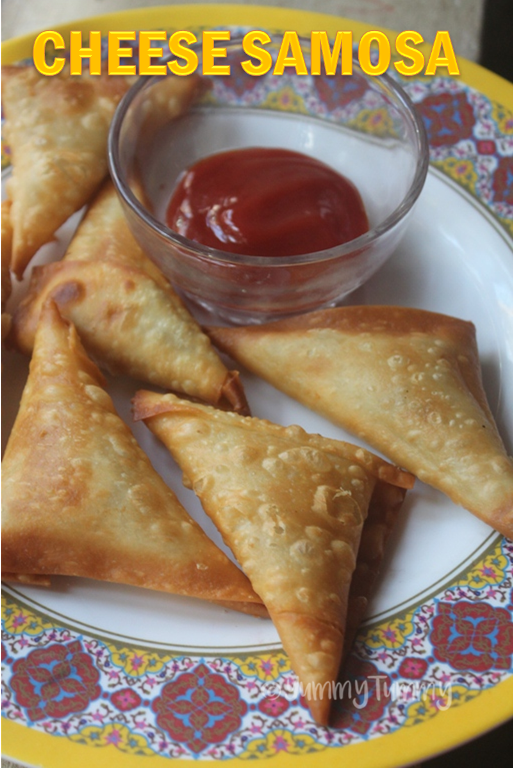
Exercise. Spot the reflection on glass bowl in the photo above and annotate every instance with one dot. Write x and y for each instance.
(364, 127)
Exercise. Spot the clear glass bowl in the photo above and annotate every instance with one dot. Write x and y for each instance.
(363, 126)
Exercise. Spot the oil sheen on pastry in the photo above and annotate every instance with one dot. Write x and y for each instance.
(6, 264)
(80, 497)
(57, 129)
(291, 506)
(128, 315)
(406, 381)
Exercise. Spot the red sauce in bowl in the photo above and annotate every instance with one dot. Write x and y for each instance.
(266, 202)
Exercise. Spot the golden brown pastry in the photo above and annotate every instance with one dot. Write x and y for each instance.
(80, 497)
(6, 264)
(291, 506)
(57, 129)
(405, 380)
(166, 100)
(128, 316)
(384, 508)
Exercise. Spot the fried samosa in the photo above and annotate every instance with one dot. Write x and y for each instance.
(405, 380)
(81, 498)
(57, 129)
(384, 508)
(128, 316)
(6, 264)
(291, 507)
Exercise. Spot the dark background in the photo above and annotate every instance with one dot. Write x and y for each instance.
(497, 42)
(493, 750)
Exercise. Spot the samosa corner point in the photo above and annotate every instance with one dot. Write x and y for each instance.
(375, 53)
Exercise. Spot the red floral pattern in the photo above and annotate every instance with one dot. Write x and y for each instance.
(366, 694)
(339, 91)
(473, 636)
(503, 181)
(412, 668)
(126, 699)
(448, 118)
(486, 147)
(55, 681)
(274, 707)
(199, 708)
(239, 81)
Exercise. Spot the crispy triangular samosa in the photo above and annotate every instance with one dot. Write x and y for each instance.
(384, 508)
(80, 497)
(291, 507)
(128, 316)
(166, 100)
(6, 264)
(57, 129)
(405, 380)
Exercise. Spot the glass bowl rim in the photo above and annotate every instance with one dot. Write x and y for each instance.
(225, 257)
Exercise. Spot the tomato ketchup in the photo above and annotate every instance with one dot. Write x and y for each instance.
(266, 202)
